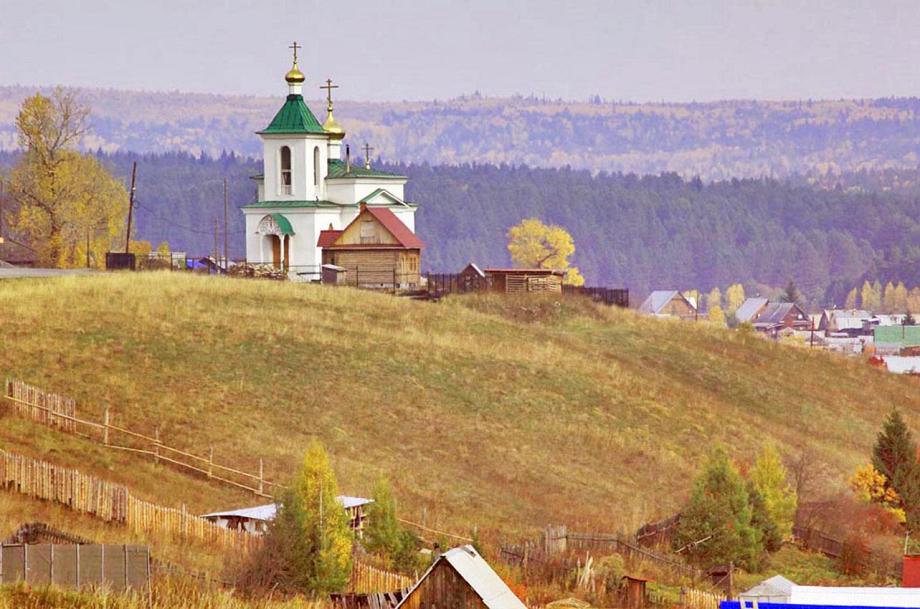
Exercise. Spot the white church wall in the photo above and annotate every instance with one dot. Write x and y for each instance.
(350, 191)
(302, 179)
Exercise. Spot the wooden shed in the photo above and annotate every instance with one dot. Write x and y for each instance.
(460, 579)
(513, 281)
(376, 250)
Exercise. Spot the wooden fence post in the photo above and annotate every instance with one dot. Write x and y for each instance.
(261, 477)
(156, 444)
(105, 426)
(210, 462)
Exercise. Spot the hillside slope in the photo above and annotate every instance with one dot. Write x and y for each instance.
(483, 411)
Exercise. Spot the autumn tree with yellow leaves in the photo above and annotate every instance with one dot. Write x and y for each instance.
(533, 244)
(68, 207)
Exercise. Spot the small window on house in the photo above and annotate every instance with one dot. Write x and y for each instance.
(316, 166)
(368, 234)
(286, 178)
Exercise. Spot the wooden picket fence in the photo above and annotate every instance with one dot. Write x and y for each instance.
(366, 579)
(46, 408)
(112, 502)
(60, 412)
(692, 598)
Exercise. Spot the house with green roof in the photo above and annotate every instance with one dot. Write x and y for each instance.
(308, 186)
(890, 340)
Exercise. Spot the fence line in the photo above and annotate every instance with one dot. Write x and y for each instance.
(111, 502)
(60, 412)
(692, 598)
(366, 578)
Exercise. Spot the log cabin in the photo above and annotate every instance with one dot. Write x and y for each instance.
(376, 250)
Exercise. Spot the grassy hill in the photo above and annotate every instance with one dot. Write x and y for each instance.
(502, 413)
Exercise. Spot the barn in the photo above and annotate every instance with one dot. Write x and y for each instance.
(255, 519)
(525, 280)
(376, 250)
(460, 579)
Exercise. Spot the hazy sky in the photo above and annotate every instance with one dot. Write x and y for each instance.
(402, 49)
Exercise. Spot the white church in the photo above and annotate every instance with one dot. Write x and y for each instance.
(315, 208)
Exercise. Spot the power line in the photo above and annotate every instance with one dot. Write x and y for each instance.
(170, 222)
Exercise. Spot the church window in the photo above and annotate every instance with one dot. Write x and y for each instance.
(316, 166)
(286, 180)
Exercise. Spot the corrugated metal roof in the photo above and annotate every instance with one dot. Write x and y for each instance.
(476, 572)
(778, 589)
(657, 300)
(267, 512)
(749, 308)
(328, 237)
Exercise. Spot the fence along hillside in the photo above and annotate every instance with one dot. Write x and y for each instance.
(112, 502)
(60, 413)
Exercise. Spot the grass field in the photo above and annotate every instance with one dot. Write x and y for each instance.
(499, 413)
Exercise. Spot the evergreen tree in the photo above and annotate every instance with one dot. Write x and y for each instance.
(385, 536)
(768, 477)
(791, 293)
(895, 453)
(715, 525)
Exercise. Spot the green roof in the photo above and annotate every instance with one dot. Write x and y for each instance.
(294, 117)
(284, 224)
(906, 336)
(291, 204)
(337, 170)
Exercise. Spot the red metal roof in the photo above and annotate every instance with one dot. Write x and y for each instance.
(404, 236)
(328, 237)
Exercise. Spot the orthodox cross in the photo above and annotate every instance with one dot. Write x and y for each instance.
(295, 46)
(329, 87)
(367, 155)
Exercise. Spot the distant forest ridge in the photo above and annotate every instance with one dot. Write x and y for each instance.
(644, 233)
(716, 141)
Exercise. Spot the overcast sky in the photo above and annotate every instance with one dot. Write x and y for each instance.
(416, 49)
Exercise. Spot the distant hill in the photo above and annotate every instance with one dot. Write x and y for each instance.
(503, 414)
(718, 140)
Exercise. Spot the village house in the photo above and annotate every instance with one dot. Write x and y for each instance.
(255, 519)
(307, 187)
(375, 250)
(460, 579)
(778, 316)
(669, 303)
(846, 322)
(897, 340)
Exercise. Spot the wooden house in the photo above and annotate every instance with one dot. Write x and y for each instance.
(777, 316)
(376, 250)
(669, 303)
(460, 579)
(255, 519)
(515, 281)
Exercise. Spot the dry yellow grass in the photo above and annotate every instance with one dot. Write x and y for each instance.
(506, 414)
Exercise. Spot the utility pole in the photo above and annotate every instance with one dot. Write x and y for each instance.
(130, 207)
(226, 223)
(1, 212)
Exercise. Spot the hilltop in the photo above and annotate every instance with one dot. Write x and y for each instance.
(484, 411)
(716, 140)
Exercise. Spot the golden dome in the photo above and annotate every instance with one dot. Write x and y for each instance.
(294, 75)
(332, 127)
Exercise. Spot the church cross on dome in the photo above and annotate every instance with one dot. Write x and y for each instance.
(329, 87)
(295, 46)
(367, 155)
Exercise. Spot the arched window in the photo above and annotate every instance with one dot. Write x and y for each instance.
(316, 166)
(286, 183)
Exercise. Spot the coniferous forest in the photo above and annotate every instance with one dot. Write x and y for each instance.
(648, 232)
